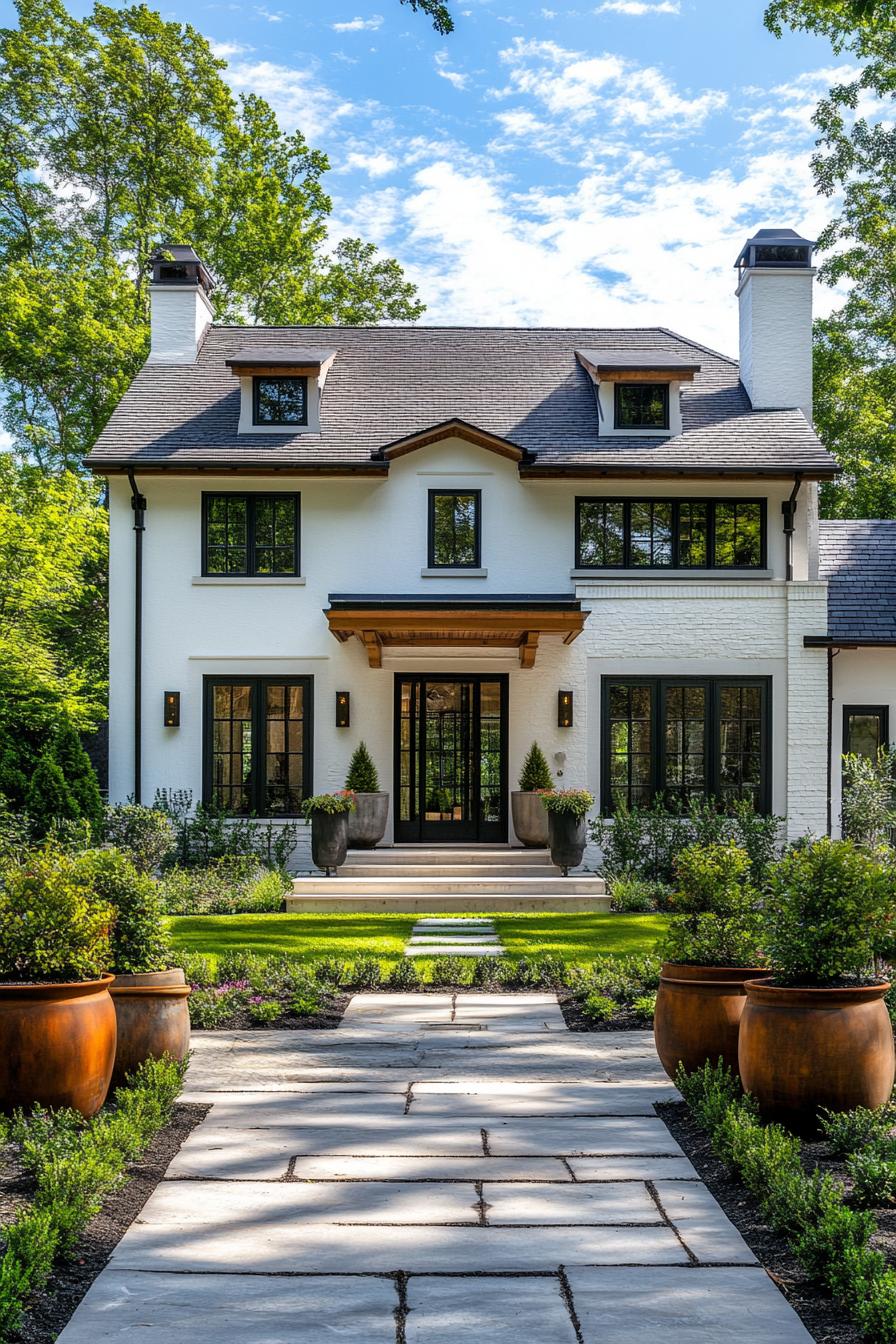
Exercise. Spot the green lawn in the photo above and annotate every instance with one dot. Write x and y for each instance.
(573, 937)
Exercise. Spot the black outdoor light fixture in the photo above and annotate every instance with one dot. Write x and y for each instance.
(343, 709)
(564, 709)
(172, 709)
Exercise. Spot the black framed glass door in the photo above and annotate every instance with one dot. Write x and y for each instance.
(451, 759)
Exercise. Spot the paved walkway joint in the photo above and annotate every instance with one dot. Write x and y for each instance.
(440, 1168)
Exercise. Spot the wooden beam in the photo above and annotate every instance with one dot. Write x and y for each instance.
(529, 648)
(646, 375)
(275, 370)
(372, 643)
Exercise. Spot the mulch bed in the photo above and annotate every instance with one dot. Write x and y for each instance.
(822, 1317)
(622, 1020)
(52, 1309)
(330, 1016)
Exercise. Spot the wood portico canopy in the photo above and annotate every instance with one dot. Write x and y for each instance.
(505, 621)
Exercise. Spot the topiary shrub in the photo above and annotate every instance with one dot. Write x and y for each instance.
(54, 928)
(536, 773)
(362, 776)
(139, 941)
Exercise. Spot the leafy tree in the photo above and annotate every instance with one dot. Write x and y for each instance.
(362, 776)
(830, 17)
(440, 13)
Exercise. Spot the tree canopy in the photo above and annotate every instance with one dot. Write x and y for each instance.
(118, 132)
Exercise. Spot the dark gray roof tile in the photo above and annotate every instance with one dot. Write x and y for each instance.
(858, 559)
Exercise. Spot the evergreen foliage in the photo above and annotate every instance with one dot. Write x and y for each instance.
(536, 773)
(48, 798)
(362, 776)
(79, 775)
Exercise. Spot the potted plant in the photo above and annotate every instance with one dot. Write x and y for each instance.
(567, 810)
(711, 949)
(530, 820)
(817, 1032)
(367, 823)
(57, 1020)
(150, 995)
(328, 814)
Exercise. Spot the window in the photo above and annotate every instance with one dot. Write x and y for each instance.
(250, 535)
(670, 533)
(641, 405)
(685, 737)
(257, 755)
(454, 528)
(866, 728)
(280, 401)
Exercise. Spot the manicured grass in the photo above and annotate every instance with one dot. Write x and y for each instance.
(573, 937)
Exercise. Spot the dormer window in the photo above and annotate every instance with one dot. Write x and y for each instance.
(641, 406)
(280, 401)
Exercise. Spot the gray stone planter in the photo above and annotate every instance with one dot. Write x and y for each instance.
(567, 836)
(530, 820)
(367, 824)
(329, 839)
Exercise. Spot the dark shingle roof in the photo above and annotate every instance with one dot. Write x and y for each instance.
(858, 558)
(387, 383)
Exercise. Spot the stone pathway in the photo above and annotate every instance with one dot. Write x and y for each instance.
(434, 937)
(442, 1168)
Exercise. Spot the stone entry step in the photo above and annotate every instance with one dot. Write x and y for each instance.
(453, 886)
(456, 854)
(340, 901)
(471, 869)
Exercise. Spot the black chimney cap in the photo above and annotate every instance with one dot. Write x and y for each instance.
(776, 247)
(178, 264)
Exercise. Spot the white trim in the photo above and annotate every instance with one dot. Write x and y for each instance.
(454, 573)
(258, 658)
(248, 581)
(651, 575)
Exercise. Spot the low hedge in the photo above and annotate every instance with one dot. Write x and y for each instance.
(74, 1163)
(830, 1238)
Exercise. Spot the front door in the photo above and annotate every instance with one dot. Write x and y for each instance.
(451, 759)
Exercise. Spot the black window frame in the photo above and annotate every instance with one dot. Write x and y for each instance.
(714, 685)
(259, 738)
(640, 429)
(252, 497)
(881, 712)
(260, 378)
(432, 496)
(711, 502)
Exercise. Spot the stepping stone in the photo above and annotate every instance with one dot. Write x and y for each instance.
(452, 950)
(446, 937)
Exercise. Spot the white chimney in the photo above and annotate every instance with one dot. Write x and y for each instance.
(180, 309)
(775, 296)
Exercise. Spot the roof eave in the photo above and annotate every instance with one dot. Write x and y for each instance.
(536, 469)
(119, 468)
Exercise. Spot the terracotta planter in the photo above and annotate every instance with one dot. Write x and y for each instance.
(566, 835)
(57, 1045)
(329, 839)
(367, 824)
(801, 1049)
(530, 819)
(153, 1019)
(698, 1011)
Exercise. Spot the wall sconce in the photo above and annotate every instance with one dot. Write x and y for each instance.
(343, 709)
(564, 709)
(172, 709)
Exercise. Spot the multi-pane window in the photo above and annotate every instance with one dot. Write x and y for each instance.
(257, 744)
(670, 533)
(251, 535)
(454, 529)
(641, 405)
(280, 401)
(679, 738)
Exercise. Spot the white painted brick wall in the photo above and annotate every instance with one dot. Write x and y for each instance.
(776, 338)
(179, 315)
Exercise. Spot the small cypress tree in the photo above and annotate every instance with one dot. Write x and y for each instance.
(13, 780)
(536, 773)
(362, 776)
(79, 774)
(48, 798)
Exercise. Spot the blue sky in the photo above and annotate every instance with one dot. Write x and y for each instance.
(544, 164)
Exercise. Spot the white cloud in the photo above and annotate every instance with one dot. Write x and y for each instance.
(226, 50)
(272, 16)
(454, 77)
(375, 164)
(359, 25)
(299, 99)
(638, 8)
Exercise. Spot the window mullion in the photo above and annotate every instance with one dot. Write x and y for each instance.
(627, 534)
(259, 739)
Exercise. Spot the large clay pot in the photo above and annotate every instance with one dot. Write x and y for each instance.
(698, 1010)
(801, 1049)
(329, 839)
(57, 1045)
(367, 824)
(530, 819)
(153, 1019)
(566, 836)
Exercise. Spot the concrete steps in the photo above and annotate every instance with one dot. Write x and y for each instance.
(447, 879)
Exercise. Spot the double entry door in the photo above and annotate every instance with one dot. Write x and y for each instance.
(451, 759)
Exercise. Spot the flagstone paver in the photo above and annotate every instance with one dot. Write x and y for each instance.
(439, 1168)
(460, 937)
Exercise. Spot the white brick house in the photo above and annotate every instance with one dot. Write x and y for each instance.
(452, 526)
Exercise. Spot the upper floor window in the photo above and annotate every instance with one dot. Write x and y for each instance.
(454, 529)
(670, 533)
(280, 401)
(250, 535)
(641, 406)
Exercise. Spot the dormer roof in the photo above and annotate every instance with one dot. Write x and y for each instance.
(659, 365)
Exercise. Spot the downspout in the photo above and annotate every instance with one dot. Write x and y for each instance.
(788, 508)
(832, 654)
(138, 504)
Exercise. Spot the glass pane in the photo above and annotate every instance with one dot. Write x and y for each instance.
(642, 406)
(280, 401)
(490, 751)
(454, 529)
(632, 766)
(738, 535)
(284, 749)
(692, 535)
(864, 734)
(740, 743)
(601, 534)
(685, 718)
(651, 533)
(231, 747)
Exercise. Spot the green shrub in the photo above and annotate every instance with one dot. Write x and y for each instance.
(306, 1004)
(636, 895)
(140, 941)
(716, 920)
(869, 798)
(451, 971)
(227, 886)
(15, 832)
(198, 967)
(145, 834)
(53, 927)
(405, 974)
(536, 773)
(645, 1007)
(79, 775)
(264, 1010)
(362, 776)
(827, 913)
(210, 833)
(709, 1091)
(32, 1241)
(48, 799)
(873, 1179)
(333, 971)
(330, 803)
(623, 978)
(367, 973)
(852, 1131)
(598, 1008)
(492, 972)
